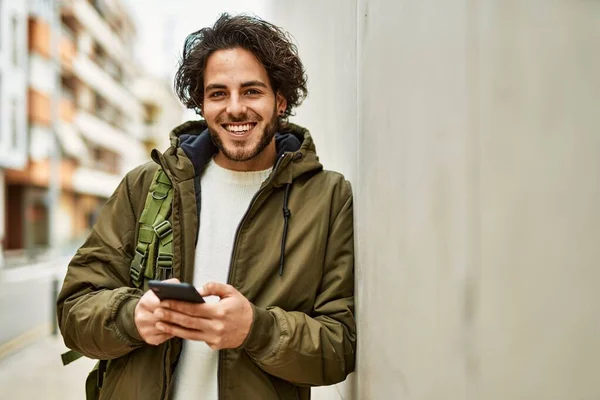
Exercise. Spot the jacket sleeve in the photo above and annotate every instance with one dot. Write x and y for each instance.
(95, 307)
(317, 349)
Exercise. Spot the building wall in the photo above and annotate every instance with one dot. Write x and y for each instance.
(13, 78)
(163, 110)
(97, 58)
(13, 86)
(475, 167)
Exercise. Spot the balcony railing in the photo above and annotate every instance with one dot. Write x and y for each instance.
(93, 22)
(106, 86)
(94, 182)
(104, 135)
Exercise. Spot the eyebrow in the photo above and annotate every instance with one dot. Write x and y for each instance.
(253, 83)
(214, 86)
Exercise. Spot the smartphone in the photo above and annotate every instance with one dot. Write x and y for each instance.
(175, 291)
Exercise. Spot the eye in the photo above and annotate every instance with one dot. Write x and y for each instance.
(217, 94)
(252, 92)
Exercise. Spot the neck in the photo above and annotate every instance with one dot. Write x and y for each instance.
(264, 160)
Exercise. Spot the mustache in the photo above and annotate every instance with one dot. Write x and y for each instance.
(248, 117)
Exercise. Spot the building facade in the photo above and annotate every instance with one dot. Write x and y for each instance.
(13, 86)
(82, 121)
(162, 110)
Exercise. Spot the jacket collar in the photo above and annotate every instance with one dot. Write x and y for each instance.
(192, 148)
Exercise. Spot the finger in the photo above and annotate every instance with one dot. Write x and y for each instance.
(149, 301)
(157, 339)
(217, 289)
(181, 319)
(203, 310)
(179, 331)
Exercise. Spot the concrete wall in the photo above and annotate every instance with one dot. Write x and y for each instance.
(538, 316)
(470, 133)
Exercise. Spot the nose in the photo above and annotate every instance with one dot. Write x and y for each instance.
(236, 106)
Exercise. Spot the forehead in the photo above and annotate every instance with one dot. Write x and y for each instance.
(232, 67)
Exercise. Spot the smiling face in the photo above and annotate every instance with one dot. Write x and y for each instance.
(241, 110)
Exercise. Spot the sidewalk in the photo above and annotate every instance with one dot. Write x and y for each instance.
(36, 372)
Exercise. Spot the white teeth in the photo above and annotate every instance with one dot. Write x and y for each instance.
(238, 128)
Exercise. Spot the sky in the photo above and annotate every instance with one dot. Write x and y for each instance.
(163, 26)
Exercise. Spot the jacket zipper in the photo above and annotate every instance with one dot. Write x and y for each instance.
(233, 251)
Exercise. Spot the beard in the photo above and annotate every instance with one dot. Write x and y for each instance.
(242, 150)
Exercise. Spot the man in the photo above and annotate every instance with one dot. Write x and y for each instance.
(257, 225)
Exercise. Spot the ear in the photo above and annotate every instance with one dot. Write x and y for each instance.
(281, 103)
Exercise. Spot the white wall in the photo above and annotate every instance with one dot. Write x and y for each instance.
(416, 201)
(328, 51)
(538, 318)
(475, 168)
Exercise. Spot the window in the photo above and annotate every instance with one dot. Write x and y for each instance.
(15, 37)
(14, 128)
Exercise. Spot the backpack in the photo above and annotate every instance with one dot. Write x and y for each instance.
(153, 259)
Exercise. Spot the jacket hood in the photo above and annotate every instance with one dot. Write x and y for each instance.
(193, 141)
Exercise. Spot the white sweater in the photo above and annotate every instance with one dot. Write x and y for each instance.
(225, 197)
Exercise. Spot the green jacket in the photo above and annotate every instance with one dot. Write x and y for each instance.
(301, 283)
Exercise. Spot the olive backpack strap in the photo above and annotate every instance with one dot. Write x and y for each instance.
(154, 228)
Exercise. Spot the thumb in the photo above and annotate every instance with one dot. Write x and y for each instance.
(217, 289)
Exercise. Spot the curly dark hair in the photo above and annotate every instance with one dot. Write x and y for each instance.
(271, 45)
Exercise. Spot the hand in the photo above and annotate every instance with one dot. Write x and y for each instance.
(224, 325)
(145, 320)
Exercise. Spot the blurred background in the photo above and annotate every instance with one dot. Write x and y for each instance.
(470, 130)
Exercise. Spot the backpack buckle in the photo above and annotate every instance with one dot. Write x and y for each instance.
(163, 229)
(164, 262)
(137, 267)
